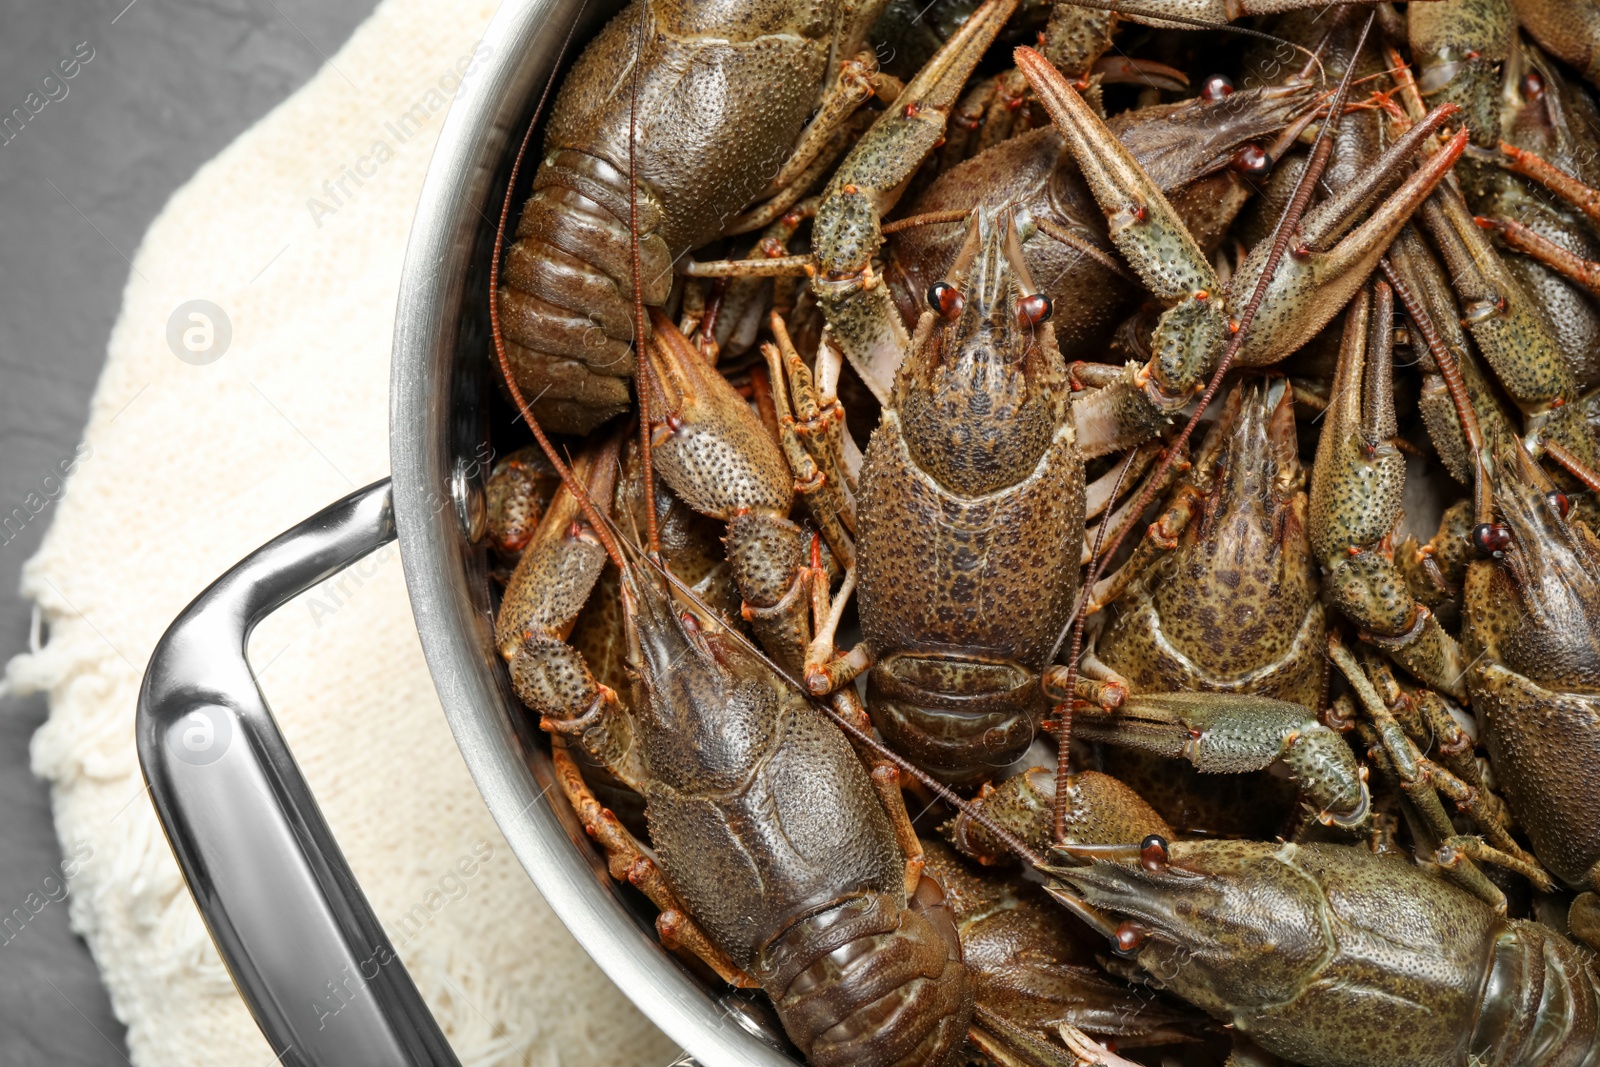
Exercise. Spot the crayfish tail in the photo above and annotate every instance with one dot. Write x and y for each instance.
(866, 983)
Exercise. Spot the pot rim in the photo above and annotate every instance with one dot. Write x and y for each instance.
(435, 494)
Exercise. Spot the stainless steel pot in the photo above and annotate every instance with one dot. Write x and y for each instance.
(278, 897)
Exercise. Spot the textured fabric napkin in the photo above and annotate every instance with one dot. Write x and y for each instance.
(247, 387)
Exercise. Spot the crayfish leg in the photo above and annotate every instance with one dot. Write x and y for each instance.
(1231, 733)
(627, 862)
(1522, 238)
(549, 587)
(1510, 333)
(847, 232)
(1100, 810)
(1356, 488)
(1529, 164)
(886, 783)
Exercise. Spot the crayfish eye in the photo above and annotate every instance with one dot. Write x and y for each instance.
(1491, 538)
(1216, 87)
(1034, 309)
(1153, 854)
(1129, 939)
(1558, 502)
(947, 300)
(1251, 160)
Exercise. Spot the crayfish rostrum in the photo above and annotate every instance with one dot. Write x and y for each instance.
(1168, 456)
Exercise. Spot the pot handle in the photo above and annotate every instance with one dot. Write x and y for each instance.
(304, 948)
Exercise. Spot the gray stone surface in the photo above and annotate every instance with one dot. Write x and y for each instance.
(169, 84)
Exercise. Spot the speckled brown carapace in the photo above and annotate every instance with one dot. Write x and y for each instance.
(1233, 607)
(1336, 956)
(971, 515)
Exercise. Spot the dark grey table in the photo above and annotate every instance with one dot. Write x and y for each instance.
(169, 84)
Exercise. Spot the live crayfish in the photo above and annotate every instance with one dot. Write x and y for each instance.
(678, 589)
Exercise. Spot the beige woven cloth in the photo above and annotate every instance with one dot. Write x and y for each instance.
(296, 232)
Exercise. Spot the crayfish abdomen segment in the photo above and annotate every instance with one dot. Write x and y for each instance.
(838, 974)
(960, 717)
(566, 299)
(1545, 1009)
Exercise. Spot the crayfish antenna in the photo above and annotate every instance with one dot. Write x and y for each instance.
(641, 379)
(1073, 902)
(1064, 712)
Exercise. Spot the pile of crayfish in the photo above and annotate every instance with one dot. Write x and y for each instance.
(1058, 535)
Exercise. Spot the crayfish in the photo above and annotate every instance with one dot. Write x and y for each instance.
(1013, 430)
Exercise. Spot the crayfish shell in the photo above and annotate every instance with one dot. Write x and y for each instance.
(867, 982)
